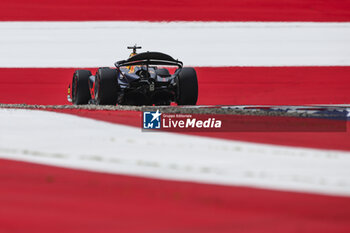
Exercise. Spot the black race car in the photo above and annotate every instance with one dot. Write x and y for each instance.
(139, 80)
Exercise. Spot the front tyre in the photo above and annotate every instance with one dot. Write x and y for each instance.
(80, 87)
(106, 86)
(187, 87)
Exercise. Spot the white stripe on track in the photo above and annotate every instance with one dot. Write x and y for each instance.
(91, 44)
(74, 142)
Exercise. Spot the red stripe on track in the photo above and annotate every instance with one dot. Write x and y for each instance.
(318, 140)
(36, 198)
(274, 85)
(217, 85)
(186, 10)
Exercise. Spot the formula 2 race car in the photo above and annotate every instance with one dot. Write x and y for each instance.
(139, 80)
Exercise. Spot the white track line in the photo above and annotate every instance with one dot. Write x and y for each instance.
(74, 142)
(90, 44)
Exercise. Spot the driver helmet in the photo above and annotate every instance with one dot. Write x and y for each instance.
(131, 68)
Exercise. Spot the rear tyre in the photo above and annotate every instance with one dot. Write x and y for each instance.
(106, 86)
(187, 87)
(80, 87)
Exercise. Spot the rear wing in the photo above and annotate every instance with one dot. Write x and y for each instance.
(149, 58)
